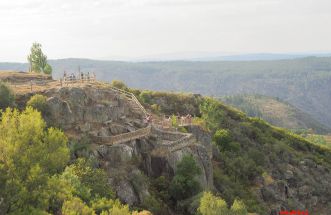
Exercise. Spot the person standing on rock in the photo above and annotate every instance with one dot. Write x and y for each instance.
(149, 118)
(82, 77)
(94, 76)
(64, 76)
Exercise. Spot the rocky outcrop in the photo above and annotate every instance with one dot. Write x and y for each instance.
(103, 113)
(91, 110)
(288, 182)
(139, 155)
(298, 186)
(170, 152)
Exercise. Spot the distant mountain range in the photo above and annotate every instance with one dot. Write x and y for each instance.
(304, 83)
(206, 56)
(212, 56)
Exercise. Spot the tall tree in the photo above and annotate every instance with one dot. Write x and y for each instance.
(30, 155)
(38, 60)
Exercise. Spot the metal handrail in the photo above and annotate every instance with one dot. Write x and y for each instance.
(131, 96)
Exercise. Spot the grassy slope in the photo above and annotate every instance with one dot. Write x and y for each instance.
(276, 112)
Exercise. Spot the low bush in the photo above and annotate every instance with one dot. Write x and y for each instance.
(214, 205)
(184, 184)
(119, 84)
(38, 102)
(222, 139)
(7, 97)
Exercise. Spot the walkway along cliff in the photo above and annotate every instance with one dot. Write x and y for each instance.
(112, 125)
(109, 126)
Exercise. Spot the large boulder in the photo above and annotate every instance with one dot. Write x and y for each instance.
(126, 193)
(116, 155)
(70, 106)
(60, 112)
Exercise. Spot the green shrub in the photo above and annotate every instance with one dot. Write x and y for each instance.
(118, 209)
(102, 204)
(156, 108)
(136, 92)
(222, 139)
(7, 97)
(184, 184)
(154, 205)
(257, 156)
(81, 148)
(174, 121)
(238, 208)
(146, 96)
(38, 102)
(94, 178)
(119, 84)
(161, 186)
(76, 206)
(317, 139)
(213, 205)
(182, 129)
(172, 103)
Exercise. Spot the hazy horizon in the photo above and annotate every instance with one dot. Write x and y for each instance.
(199, 56)
(128, 29)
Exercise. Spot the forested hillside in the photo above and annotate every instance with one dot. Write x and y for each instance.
(264, 166)
(276, 112)
(304, 83)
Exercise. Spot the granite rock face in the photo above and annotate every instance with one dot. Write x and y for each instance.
(124, 160)
(299, 185)
(69, 106)
(102, 112)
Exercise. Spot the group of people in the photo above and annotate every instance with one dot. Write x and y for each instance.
(186, 120)
(181, 120)
(167, 121)
(88, 77)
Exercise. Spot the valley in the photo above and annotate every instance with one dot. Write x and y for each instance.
(304, 82)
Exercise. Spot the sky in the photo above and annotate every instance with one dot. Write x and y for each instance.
(114, 29)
